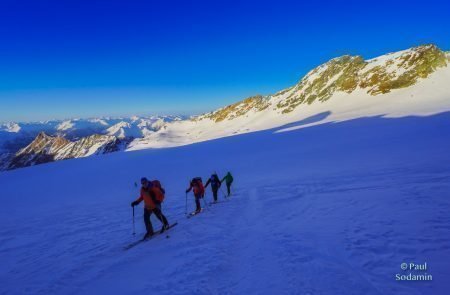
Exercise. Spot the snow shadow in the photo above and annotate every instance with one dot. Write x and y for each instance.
(298, 124)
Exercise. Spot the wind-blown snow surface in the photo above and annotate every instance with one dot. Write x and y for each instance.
(329, 209)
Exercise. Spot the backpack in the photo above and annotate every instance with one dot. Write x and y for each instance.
(157, 184)
(215, 181)
(198, 181)
(229, 178)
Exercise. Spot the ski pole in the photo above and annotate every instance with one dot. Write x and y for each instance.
(134, 228)
(220, 185)
(224, 195)
(204, 202)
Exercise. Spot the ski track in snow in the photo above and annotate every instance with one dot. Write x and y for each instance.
(305, 250)
(336, 232)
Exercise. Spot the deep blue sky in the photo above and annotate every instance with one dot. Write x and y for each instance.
(62, 59)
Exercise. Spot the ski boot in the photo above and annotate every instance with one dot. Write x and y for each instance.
(149, 234)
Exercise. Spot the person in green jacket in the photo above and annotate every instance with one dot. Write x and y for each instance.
(228, 181)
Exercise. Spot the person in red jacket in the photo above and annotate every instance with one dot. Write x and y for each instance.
(196, 185)
(150, 194)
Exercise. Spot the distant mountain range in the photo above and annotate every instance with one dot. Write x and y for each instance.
(45, 148)
(26, 144)
(409, 82)
(76, 128)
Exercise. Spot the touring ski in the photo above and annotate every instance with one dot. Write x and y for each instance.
(212, 203)
(192, 214)
(149, 238)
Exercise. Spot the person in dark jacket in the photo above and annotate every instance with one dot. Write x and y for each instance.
(215, 185)
(228, 181)
(150, 195)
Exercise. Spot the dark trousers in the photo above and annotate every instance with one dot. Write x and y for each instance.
(197, 203)
(229, 188)
(158, 214)
(215, 190)
(163, 218)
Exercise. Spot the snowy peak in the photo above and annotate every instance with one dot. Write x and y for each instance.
(93, 145)
(72, 138)
(118, 129)
(156, 125)
(124, 129)
(345, 74)
(376, 76)
(65, 125)
(254, 103)
(41, 150)
(76, 128)
(10, 127)
(401, 70)
(408, 82)
(44, 143)
(45, 148)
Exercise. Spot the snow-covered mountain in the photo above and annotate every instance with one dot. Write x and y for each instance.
(408, 82)
(45, 148)
(10, 127)
(76, 128)
(19, 141)
(125, 129)
(335, 208)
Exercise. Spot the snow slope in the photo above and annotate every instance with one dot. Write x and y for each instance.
(428, 95)
(329, 209)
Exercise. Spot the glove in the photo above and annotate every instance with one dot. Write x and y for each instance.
(134, 203)
(187, 191)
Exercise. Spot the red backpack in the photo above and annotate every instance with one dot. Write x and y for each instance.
(160, 197)
(199, 183)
